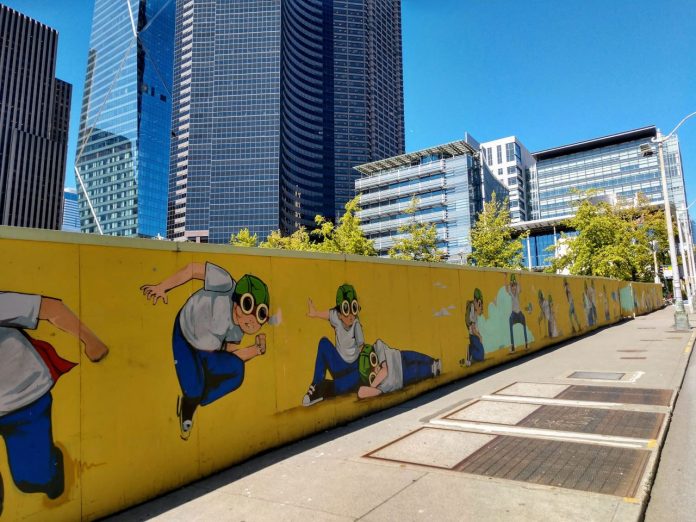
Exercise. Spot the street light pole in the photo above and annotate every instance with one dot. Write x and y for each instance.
(681, 320)
(653, 247)
(688, 251)
(684, 262)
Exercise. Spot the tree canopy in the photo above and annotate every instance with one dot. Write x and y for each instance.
(492, 240)
(613, 240)
(419, 240)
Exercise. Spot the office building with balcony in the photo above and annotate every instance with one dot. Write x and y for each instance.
(613, 166)
(274, 104)
(450, 184)
(122, 160)
(34, 119)
(510, 162)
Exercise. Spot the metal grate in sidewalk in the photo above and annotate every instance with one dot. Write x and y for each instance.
(649, 396)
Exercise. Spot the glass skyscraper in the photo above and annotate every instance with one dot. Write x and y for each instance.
(450, 184)
(124, 135)
(275, 102)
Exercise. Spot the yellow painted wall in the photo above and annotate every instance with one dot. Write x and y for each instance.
(115, 420)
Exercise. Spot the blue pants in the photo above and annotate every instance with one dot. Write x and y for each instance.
(476, 351)
(346, 376)
(204, 377)
(416, 366)
(36, 464)
(517, 318)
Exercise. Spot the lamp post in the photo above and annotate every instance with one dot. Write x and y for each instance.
(681, 319)
(684, 224)
(653, 247)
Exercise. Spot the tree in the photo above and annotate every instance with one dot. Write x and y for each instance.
(298, 240)
(244, 239)
(491, 237)
(613, 240)
(347, 237)
(420, 240)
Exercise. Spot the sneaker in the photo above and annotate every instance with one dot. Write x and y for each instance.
(185, 425)
(312, 396)
(437, 367)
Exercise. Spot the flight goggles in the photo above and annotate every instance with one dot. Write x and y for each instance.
(248, 305)
(349, 307)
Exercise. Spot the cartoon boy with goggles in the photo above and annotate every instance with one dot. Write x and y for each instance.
(208, 331)
(341, 358)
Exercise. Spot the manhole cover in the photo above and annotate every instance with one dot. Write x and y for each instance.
(605, 376)
(572, 465)
(586, 467)
(653, 397)
(616, 423)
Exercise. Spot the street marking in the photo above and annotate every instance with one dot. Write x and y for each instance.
(631, 500)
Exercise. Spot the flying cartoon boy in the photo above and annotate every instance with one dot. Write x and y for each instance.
(341, 358)
(386, 369)
(29, 368)
(208, 331)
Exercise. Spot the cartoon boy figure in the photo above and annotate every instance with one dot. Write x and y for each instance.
(571, 308)
(547, 314)
(516, 316)
(474, 310)
(208, 331)
(341, 358)
(589, 305)
(29, 368)
(386, 369)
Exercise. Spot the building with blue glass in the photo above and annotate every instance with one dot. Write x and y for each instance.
(123, 149)
(449, 183)
(275, 102)
(613, 166)
(71, 214)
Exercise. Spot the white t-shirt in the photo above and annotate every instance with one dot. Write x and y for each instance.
(515, 297)
(348, 341)
(24, 377)
(395, 371)
(206, 318)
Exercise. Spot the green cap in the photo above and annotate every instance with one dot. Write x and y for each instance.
(478, 294)
(541, 295)
(345, 293)
(364, 365)
(513, 278)
(254, 286)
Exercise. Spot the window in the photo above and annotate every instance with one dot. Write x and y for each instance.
(500, 153)
(510, 151)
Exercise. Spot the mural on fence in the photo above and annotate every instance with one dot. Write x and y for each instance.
(29, 368)
(355, 366)
(396, 330)
(208, 331)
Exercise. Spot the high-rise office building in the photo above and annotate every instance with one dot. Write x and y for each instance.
(123, 145)
(275, 102)
(34, 119)
(71, 215)
(449, 184)
(510, 161)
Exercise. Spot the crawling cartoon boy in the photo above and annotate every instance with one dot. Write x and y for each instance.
(341, 359)
(29, 368)
(208, 331)
(386, 369)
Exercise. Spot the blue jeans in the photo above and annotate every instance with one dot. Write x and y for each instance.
(476, 351)
(346, 376)
(416, 366)
(517, 318)
(204, 377)
(36, 464)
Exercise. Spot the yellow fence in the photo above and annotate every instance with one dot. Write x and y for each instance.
(207, 365)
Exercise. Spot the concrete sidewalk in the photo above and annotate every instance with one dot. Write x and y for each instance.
(519, 442)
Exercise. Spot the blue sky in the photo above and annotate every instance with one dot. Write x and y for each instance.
(551, 72)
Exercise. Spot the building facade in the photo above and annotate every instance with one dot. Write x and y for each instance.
(511, 162)
(274, 103)
(122, 161)
(71, 214)
(34, 119)
(449, 183)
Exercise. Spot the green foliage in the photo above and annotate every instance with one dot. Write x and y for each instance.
(244, 239)
(491, 237)
(420, 241)
(347, 237)
(613, 240)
